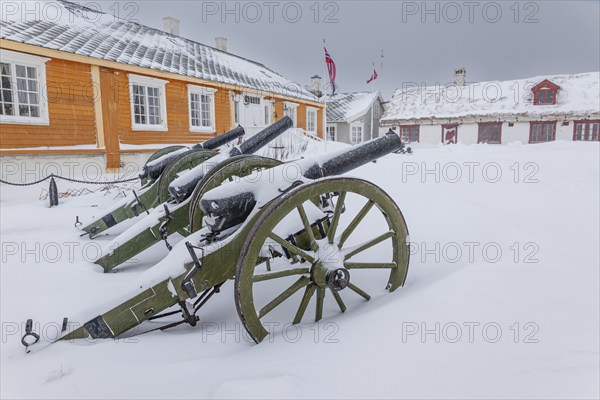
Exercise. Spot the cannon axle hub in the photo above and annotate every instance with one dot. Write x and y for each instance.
(330, 276)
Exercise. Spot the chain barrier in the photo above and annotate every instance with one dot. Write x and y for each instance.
(70, 180)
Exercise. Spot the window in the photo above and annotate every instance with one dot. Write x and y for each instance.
(375, 111)
(148, 108)
(545, 97)
(267, 114)
(202, 109)
(311, 119)
(289, 109)
(330, 130)
(490, 132)
(22, 89)
(409, 133)
(355, 134)
(545, 93)
(236, 110)
(542, 132)
(449, 134)
(586, 131)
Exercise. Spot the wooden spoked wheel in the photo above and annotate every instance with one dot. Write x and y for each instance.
(187, 160)
(339, 235)
(243, 166)
(160, 153)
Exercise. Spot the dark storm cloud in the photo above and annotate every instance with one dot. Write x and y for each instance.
(422, 42)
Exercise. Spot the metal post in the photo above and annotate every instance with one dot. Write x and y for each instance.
(53, 193)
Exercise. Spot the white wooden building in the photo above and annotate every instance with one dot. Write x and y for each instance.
(533, 110)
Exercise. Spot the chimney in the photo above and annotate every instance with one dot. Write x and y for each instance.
(460, 76)
(171, 25)
(221, 43)
(316, 83)
(315, 86)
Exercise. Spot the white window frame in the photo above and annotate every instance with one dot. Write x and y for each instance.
(268, 109)
(327, 137)
(310, 110)
(235, 99)
(287, 105)
(356, 125)
(586, 132)
(202, 91)
(39, 63)
(155, 83)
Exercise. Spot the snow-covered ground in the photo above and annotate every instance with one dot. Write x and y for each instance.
(501, 300)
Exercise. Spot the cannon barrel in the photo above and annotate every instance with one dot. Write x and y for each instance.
(154, 168)
(225, 212)
(357, 156)
(182, 187)
(221, 139)
(256, 142)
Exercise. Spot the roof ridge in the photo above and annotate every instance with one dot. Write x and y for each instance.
(579, 95)
(94, 33)
(357, 92)
(542, 77)
(121, 20)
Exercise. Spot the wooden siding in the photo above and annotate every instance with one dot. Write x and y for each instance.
(178, 125)
(57, 54)
(73, 115)
(110, 107)
(278, 110)
(70, 109)
(320, 129)
(300, 116)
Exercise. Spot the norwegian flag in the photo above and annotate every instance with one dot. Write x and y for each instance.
(373, 77)
(331, 70)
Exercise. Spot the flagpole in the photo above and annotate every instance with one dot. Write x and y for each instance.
(373, 92)
(324, 103)
(372, 103)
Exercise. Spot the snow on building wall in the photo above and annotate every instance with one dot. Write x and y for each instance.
(538, 109)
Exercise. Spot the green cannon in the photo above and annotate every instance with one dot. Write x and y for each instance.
(287, 234)
(156, 175)
(175, 214)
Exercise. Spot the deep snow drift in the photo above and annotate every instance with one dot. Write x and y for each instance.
(501, 300)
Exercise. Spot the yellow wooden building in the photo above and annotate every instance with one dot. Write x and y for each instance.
(85, 82)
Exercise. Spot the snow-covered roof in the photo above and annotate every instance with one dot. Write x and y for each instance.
(346, 107)
(73, 28)
(579, 95)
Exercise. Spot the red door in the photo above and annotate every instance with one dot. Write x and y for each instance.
(449, 134)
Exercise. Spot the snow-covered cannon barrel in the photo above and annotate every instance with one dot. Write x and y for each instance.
(223, 213)
(306, 233)
(182, 187)
(159, 170)
(348, 160)
(173, 214)
(154, 167)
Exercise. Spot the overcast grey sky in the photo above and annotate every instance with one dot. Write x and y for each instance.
(422, 42)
